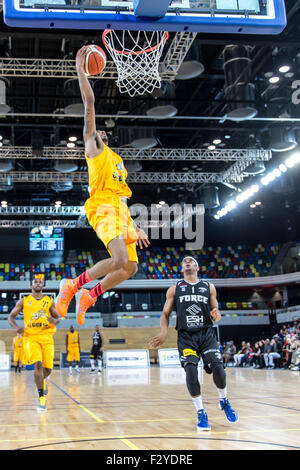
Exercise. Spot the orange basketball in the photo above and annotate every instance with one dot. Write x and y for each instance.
(95, 60)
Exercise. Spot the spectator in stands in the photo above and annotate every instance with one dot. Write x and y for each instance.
(247, 354)
(255, 356)
(230, 351)
(282, 335)
(287, 351)
(295, 347)
(238, 357)
(267, 351)
(276, 352)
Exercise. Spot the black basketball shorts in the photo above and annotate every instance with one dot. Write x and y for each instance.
(96, 353)
(199, 344)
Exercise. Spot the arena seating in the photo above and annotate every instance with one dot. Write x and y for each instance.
(215, 262)
(161, 263)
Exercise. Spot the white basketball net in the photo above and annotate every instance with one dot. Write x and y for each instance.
(136, 55)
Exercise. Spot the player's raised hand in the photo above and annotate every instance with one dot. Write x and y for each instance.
(142, 238)
(80, 57)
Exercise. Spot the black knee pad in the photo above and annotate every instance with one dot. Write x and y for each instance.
(219, 375)
(192, 380)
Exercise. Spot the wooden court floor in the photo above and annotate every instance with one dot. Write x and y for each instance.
(145, 409)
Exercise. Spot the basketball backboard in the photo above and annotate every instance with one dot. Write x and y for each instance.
(207, 16)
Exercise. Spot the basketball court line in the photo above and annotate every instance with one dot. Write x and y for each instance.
(134, 421)
(156, 436)
(278, 406)
(146, 436)
(199, 438)
(96, 418)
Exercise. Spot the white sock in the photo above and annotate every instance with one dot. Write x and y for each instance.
(92, 363)
(198, 403)
(77, 367)
(99, 364)
(70, 368)
(222, 392)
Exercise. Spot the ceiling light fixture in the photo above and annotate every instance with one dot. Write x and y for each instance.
(274, 80)
(284, 69)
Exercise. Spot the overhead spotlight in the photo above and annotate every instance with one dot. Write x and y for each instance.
(217, 141)
(283, 168)
(75, 108)
(284, 68)
(276, 172)
(258, 203)
(265, 181)
(255, 168)
(252, 206)
(58, 203)
(73, 138)
(211, 147)
(1, 137)
(70, 145)
(189, 69)
(210, 196)
(3, 204)
(162, 112)
(239, 91)
(293, 160)
(282, 140)
(162, 203)
(274, 79)
(228, 137)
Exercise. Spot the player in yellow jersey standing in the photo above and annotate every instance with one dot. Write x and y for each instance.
(73, 349)
(18, 345)
(40, 318)
(106, 210)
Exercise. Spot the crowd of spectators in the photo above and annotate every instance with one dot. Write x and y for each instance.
(281, 351)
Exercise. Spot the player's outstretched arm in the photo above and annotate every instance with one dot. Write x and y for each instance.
(215, 312)
(93, 142)
(158, 340)
(13, 314)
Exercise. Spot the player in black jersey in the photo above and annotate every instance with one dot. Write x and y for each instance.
(196, 305)
(97, 350)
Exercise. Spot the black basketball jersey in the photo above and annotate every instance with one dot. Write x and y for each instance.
(97, 340)
(192, 305)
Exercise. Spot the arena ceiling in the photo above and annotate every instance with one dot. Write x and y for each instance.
(38, 118)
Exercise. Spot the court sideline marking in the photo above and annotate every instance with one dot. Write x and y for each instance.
(96, 418)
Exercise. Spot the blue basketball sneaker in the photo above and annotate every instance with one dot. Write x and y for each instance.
(230, 414)
(203, 424)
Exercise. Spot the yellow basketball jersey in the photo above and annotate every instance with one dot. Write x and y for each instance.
(107, 175)
(18, 342)
(72, 339)
(35, 315)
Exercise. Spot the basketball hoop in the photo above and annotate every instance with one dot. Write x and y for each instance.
(136, 59)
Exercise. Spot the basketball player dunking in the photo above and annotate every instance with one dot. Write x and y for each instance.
(40, 318)
(196, 305)
(106, 211)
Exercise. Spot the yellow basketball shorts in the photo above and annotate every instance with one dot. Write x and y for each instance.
(110, 218)
(39, 348)
(18, 355)
(73, 354)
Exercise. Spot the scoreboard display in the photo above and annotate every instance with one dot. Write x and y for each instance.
(46, 238)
